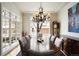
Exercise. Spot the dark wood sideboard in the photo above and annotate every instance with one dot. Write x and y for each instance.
(71, 46)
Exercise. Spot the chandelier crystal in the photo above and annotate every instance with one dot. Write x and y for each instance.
(40, 16)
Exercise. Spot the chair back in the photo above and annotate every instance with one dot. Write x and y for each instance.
(21, 46)
(24, 45)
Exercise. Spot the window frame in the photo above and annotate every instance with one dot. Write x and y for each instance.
(10, 46)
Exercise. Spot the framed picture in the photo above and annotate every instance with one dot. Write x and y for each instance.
(73, 18)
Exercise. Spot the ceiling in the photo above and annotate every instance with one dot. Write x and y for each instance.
(34, 6)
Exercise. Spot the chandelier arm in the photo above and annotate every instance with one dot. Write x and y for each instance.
(38, 27)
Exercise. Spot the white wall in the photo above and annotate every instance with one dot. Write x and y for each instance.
(63, 18)
(26, 22)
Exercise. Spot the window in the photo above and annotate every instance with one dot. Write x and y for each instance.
(13, 28)
(5, 28)
(45, 31)
(10, 33)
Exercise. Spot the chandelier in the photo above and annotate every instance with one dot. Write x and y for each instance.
(40, 16)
